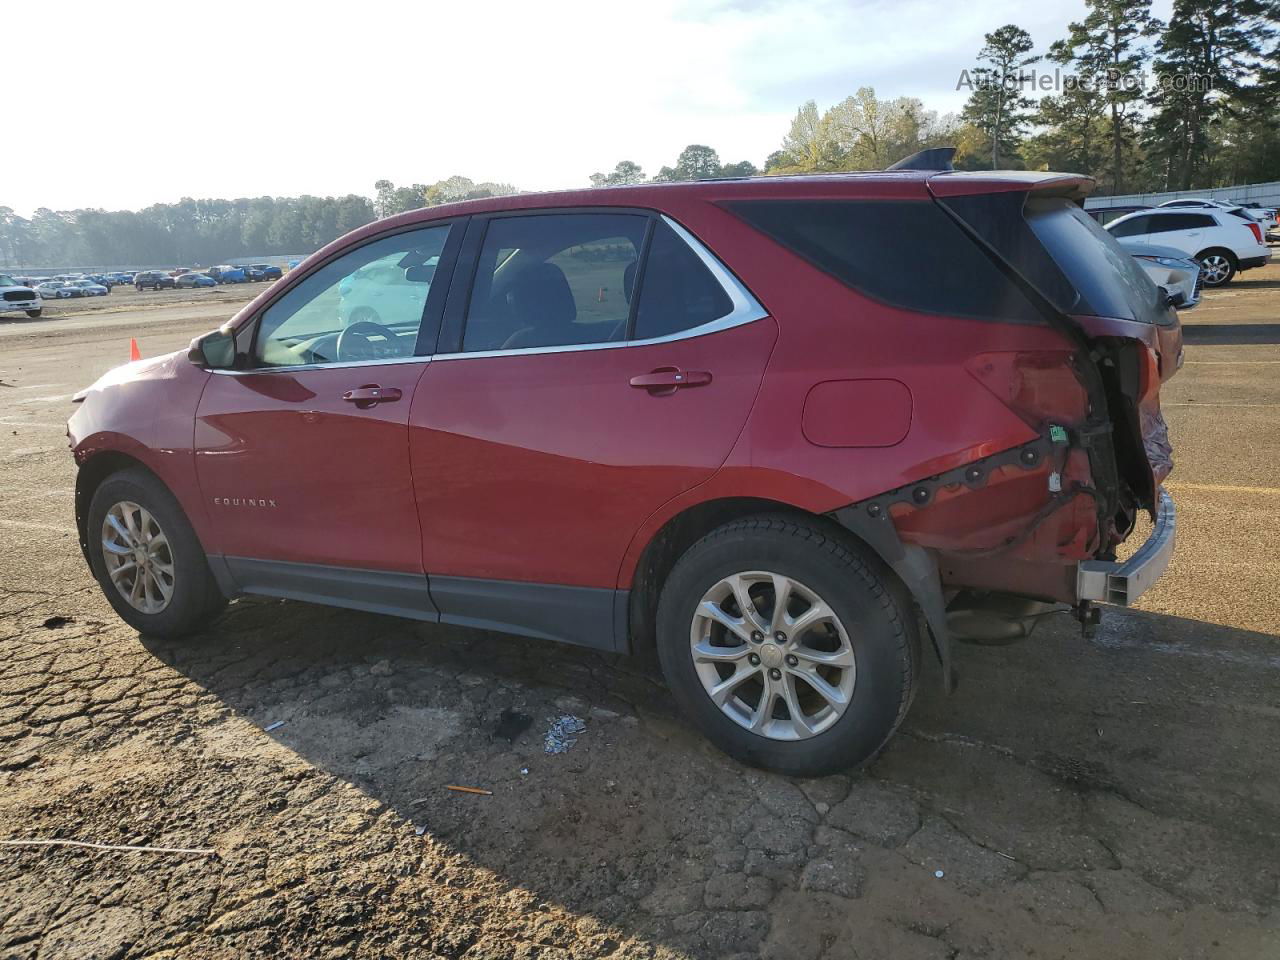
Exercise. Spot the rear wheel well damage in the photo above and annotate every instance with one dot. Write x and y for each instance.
(685, 529)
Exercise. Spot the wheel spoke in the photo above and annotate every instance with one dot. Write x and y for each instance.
(115, 572)
(739, 628)
(722, 691)
(164, 590)
(763, 712)
(790, 696)
(781, 598)
(119, 528)
(832, 695)
(745, 603)
(817, 613)
(119, 549)
(835, 658)
(706, 653)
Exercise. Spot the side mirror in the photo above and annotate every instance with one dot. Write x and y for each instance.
(216, 350)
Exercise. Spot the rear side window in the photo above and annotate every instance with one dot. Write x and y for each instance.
(907, 254)
(678, 291)
(554, 280)
(1131, 228)
(1106, 278)
(1168, 223)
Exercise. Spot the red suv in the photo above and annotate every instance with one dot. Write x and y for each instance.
(777, 428)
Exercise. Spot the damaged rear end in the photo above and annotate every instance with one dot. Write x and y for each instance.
(1041, 524)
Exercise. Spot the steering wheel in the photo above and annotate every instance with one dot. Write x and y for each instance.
(355, 342)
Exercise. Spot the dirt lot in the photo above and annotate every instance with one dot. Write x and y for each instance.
(1118, 797)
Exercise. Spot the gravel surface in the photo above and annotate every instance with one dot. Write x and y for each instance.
(1113, 797)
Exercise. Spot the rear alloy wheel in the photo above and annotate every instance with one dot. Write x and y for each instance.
(1217, 268)
(772, 655)
(788, 647)
(147, 559)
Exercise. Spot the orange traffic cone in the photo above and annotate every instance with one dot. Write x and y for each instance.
(134, 352)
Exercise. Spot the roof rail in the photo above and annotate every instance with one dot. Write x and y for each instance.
(935, 158)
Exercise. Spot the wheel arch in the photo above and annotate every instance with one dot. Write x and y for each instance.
(685, 528)
(91, 475)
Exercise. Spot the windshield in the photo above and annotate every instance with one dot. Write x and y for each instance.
(7, 281)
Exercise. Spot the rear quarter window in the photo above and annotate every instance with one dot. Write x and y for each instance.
(1108, 280)
(907, 254)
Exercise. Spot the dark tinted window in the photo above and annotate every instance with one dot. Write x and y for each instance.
(1167, 223)
(554, 280)
(1108, 280)
(1131, 228)
(678, 291)
(908, 254)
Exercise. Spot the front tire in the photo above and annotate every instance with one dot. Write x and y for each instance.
(815, 684)
(1217, 267)
(147, 559)
(34, 314)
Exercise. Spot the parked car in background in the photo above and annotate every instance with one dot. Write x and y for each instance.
(1240, 210)
(153, 280)
(18, 297)
(225, 273)
(89, 288)
(56, 290)
(195, 280)
(1222, 242)
(767, 426)
(1170, 269)
(1265, 215)
(252, 274)
(1105, 215)
(267, 271)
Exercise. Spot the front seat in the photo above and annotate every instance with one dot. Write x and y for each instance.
(542, 308)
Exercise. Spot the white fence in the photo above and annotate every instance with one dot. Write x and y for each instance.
(1267, 194)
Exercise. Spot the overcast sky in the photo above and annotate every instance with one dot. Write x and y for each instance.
(155, 101)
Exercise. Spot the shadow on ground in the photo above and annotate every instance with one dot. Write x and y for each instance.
(1105, 797)
(1225, 334)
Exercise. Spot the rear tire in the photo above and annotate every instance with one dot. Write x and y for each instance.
(852, 630)
(126, 546)
(1217, 267)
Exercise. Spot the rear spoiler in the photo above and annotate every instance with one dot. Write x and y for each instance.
(961, 183)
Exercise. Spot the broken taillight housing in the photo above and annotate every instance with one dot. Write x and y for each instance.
(1040, 386)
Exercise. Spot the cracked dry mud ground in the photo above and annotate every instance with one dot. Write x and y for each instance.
(1107, 798)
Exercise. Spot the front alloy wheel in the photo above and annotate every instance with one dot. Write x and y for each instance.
(1217, 269)
(772, 655)
(138, 557)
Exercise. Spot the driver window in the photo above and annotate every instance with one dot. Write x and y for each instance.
(366, 305)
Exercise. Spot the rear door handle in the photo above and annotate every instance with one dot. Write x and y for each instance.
(371, 394)
(667, 380)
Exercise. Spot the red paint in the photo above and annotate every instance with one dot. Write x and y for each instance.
(541, 467)
(857, 413)
(561, 467)
(337, 472)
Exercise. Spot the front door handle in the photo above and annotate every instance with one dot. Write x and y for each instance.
(667, 380)
(371, 395)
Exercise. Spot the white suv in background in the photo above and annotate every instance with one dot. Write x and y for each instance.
(15, 296)
(1221, 241)
(1264, 215)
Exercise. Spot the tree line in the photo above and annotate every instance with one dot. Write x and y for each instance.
(1137, 103)
(208, 232)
